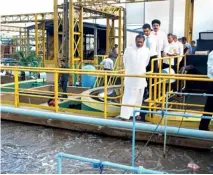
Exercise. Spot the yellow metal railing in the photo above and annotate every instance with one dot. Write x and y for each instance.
(156, 101)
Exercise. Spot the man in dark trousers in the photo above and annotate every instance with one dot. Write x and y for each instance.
(63, 79)
(204, 123)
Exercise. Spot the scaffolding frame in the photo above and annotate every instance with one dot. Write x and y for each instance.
(72, 34)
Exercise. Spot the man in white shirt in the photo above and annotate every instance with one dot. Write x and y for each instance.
(151, 44)
(108, 64)
(180, 45)
(204, 123)
(161, 36)
(135, 59)
(171, 49)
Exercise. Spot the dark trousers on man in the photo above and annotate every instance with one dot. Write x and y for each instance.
(146, 90)
(64, 88)
(204, 123)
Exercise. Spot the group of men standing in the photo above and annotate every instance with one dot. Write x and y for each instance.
(137, 60)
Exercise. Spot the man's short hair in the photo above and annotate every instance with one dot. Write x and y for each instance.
(193, 42)
(175, 36)
(146, 26)
(140, 36)
(184, 38)
(170, 34)
(62, 60)
(156, 21)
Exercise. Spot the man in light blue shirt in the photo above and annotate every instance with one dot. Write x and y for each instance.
(187, 46)
(194, 47)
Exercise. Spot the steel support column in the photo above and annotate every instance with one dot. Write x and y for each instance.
(65, 36)
(107, 36)
(81, 28)
(43, 43)
(20, 40)
(171, 15)
(112, 34)
(189, 19)
(124, 29)
(71, 37)
(120, 37)
(95, 41)
(28, 41)
(56, 32)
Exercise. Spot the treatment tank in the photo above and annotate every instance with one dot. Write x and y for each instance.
(88, 80)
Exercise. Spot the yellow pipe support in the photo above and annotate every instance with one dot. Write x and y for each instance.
(34, 90)
(37, 96)
(189, 18)
(113, 32)
(36, 34)
(150, 94)
(105, 96)
(55, 31)
(56, 91)
(71, 37)
(81, 45)
(120, 37)
(164, 93)
(107, 36)
(16, 88)
(99, 72)
(155, 91)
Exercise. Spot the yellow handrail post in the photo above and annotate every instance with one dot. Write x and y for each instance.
(105, 96)
(150, 94)
(122, 88)
(56, 91)
(16, 88)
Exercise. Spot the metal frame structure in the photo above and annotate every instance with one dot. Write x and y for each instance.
(77, 10)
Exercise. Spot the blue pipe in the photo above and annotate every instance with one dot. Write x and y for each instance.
(173, 114)
(133, 140)
(110, 123)
(139, 170)
(191, 94)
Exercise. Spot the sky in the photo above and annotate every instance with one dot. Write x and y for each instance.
(203, 19)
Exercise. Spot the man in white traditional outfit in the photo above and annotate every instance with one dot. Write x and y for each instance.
(135, 59)
(162, 41)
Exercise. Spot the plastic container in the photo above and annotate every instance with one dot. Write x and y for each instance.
(88, 80)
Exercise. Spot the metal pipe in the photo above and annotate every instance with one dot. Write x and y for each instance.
(174, 114)
(139, 170)
(111, 123)
(133, 141)
(191, 94)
